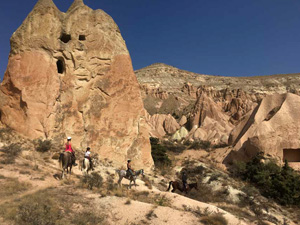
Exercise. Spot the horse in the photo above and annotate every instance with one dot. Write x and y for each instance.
(86, 166)
(65, 160)
(177, 185)
(123, 174)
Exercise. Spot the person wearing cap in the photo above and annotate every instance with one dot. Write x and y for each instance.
(87, 155)
(70, 149)
(130, 171)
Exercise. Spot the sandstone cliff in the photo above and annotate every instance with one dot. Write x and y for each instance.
(70, 74)
(273, 127)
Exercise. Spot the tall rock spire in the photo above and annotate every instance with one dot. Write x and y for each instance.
(45, 3)
(75, 4)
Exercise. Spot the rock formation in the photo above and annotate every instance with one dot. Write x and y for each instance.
(70, 74)
(273, 127)
(212, 105)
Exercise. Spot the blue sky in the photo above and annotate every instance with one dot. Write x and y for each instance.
(230, 38)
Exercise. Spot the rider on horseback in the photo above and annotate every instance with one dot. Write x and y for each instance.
(69, 149)
(130, 171)
(87, 155)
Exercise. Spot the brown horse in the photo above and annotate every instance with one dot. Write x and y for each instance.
(177, 185)
(65, 160)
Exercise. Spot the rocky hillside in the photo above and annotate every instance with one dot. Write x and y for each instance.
(190, 106)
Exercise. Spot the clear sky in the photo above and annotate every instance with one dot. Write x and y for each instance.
(220, 37)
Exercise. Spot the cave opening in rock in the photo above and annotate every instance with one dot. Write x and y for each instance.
(60, 66)
(291, 155)
(81, 37)
(65, 37)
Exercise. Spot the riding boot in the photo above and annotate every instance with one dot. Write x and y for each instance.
(92, 165)
(74, 160)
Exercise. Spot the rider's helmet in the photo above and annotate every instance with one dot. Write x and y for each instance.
(69, 138)
(88, 148)
(128, 160)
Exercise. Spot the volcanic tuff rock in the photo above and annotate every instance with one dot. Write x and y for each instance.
(168, 90)
(70, 74)
(272, 127)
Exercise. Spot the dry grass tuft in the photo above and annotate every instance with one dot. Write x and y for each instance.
(9, 186)
(215, 219)
(147, 182)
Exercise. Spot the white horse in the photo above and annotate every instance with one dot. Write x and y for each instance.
(123, 174)
(86, 166)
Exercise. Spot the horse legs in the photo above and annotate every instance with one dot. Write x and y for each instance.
(130, 184)
(119, 181)
(63, 173)
(173, 190)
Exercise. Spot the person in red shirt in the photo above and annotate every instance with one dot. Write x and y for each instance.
(69, 149)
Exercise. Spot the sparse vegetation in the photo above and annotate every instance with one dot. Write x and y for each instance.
(49, 207)
(147, 182)
(280, 184)
(158, 152)
(86, 217)
(43, 145)
(205, 145)
(215, 219)
(91, 181)
(11, 152)
(151, 214)
(10, 186)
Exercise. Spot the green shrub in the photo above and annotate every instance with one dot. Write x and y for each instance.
(201, 145)
(11, 152)
(280, 184)
(91, 181)
(37, 213)
(44, 146)
(158, 153)
(173, 146)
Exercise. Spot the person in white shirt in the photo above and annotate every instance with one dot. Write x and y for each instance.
(87, 155)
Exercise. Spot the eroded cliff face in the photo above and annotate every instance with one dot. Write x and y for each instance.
(212, 105)
(70, 74)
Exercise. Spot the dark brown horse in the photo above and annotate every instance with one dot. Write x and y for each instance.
(65, 161)
(178, 185)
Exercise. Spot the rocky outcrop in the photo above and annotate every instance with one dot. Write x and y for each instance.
(179, 89)
(273, 127)
(70, 74)
(161, 125)
(208, 121)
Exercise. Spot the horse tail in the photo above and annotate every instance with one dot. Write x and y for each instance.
(170, 183)
(60, 160)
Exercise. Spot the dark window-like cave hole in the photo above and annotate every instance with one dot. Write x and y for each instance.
(60, 66)
(65, 38)
(291, 155)
(81, 37)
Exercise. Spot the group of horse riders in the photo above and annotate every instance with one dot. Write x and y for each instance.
(87, 155)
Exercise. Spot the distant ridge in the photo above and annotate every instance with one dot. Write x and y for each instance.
(163, 65)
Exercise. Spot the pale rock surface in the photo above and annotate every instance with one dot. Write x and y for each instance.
(183, 120)
(70, 74)
(212, 124)
(272, 127)
(161, 124)
(180, 134)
